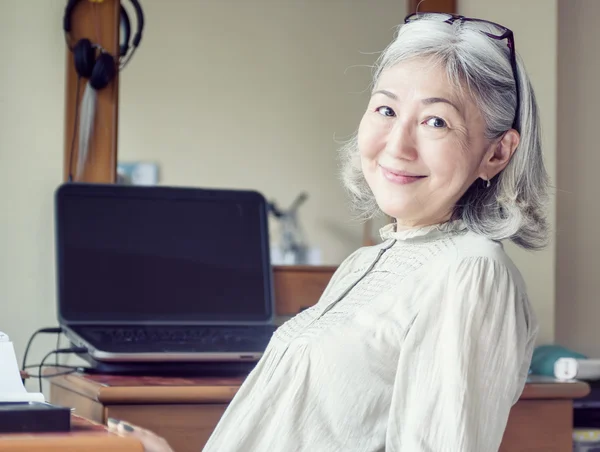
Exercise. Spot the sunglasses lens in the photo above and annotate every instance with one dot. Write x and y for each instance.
(490, 29)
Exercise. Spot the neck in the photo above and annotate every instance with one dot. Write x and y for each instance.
(404, 224)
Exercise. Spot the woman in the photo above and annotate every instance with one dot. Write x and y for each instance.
(421, 343)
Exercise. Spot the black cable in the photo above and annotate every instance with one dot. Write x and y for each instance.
(138, 36)
(56, 374)
(126, 59)
(71, 369)
(60, 350)
(65, 366)
(57, 347)
(56, 330)
(74, 129)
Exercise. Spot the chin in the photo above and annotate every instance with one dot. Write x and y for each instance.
(396, 209)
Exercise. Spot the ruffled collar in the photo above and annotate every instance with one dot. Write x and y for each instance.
(388, 231)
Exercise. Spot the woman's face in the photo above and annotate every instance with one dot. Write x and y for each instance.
(421, 146)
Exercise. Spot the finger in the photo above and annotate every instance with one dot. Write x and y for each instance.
(129, 429)
(112, 424)
(150, 441)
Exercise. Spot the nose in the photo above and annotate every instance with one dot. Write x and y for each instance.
(401, 142)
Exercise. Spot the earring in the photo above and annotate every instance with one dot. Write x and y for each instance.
(488, 184)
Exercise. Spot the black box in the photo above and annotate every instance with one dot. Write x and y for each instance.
(30, 417)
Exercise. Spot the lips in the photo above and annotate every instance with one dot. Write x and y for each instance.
(400, 177)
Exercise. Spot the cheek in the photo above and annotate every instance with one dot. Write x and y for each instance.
(368, 139)
(451, 169)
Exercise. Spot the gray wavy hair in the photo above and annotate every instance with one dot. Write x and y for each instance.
(513, 207)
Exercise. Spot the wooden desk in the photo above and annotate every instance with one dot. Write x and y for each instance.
(185, 410)
(84, 436)
(542, 419)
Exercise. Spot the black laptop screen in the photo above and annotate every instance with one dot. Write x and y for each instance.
(162, 254)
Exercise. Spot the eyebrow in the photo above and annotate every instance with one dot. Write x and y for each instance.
(436, 100)
(427, 101)
(385, 93)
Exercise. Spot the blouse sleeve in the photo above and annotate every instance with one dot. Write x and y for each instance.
(463, 363)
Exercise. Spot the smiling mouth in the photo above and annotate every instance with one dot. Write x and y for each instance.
(400, 177)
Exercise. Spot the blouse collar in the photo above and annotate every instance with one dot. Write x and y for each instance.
(430, 231)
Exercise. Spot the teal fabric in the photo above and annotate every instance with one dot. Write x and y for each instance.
(544, 357)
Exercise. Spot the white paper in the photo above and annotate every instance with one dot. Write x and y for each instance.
(25, 397)
(11, 386)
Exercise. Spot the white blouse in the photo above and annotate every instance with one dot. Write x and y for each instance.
(419, 344)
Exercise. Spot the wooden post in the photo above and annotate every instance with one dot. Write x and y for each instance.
(437, 6)
(97, 20)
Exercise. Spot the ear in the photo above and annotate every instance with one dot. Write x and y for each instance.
(499, 154)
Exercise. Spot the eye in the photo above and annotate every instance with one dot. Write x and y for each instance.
(385, 111)
(436, 122)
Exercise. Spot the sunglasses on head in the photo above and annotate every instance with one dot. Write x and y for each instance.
(490, 29)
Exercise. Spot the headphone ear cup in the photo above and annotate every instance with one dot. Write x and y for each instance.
(84, 55)
(104, 71)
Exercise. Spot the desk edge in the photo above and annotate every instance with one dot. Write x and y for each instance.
(574, 390)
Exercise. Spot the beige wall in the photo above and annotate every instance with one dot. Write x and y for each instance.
(306, 47)
(578, 244)
(31, 138)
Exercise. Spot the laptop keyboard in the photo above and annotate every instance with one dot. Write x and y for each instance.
(180, 339)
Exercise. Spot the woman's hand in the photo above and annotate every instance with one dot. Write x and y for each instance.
(150, 441)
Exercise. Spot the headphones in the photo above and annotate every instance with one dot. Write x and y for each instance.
(91, 60)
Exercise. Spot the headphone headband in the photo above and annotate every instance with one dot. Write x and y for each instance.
(136, 6)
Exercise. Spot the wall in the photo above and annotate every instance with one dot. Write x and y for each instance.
(578, 242)
(31, 155)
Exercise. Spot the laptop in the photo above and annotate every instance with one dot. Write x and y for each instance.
(150, 274)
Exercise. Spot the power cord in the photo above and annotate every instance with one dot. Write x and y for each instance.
(72, 369)
(58, 351)
(56, 330)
